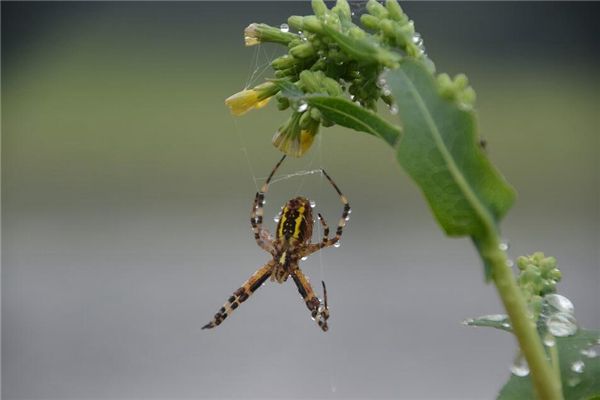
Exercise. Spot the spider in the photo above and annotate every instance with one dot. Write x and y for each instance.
(291, 244)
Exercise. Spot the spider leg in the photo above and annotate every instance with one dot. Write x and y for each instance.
(343, 219)
(242, 294)
(261, 234)
(319, 312)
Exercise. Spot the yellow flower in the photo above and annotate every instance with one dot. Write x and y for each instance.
(294, 141)
(244, 101)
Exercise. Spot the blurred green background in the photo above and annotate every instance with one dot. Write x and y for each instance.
(127, 187)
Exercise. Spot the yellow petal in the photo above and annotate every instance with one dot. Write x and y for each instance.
(242, 102)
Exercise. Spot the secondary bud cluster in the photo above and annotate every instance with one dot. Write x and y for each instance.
(537, 278)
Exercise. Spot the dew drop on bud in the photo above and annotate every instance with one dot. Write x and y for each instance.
(284, 28)
(510, 263)
(578, 367)
(562, 324)
(393, 109)
(302, 106)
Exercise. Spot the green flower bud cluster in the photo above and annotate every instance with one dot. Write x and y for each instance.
(538, 276)
(331, 55)
(457, 90)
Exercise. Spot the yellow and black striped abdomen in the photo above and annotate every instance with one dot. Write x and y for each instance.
(296, 221)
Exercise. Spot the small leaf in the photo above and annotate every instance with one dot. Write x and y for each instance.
(345, 113)
(439, 149)
(498, 321)
(572, 350)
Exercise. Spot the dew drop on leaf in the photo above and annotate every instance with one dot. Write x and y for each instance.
(578, 367)
(520, 367)
(559, 303)
(562, 324)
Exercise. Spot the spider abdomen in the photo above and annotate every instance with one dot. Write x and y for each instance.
(296, 222)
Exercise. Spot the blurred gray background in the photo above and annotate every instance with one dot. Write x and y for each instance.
(127, 187)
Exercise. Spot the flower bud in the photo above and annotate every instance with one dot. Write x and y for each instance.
(303, 50)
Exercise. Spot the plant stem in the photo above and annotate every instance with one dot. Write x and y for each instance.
(545, 384)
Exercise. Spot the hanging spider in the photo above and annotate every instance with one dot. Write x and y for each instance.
(291, 244)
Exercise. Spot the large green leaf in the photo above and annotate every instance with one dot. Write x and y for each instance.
(584, 385)
(439, 149)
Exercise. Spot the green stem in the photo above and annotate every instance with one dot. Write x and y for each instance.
(545, 384)
(555, 363)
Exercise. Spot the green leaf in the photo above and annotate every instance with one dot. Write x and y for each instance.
(345, 113)
(576, 386)
(439, 150)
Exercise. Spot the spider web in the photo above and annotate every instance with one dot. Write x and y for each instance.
(258, 70)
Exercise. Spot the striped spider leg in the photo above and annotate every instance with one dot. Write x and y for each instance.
(292, 242)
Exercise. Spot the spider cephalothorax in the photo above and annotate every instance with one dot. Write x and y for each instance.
(292, 243)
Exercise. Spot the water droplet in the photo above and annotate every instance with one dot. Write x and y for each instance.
(276, 218)
(468, 321)
(312, 204)
(495, 317)
(337, 244)
(394, 109)
(381, 82)
(578, 367)
(559, 303)
(386, 91)
(347, 218)
(504, 245)
(574, 381)
(520, 367)
(589, 353)
(350, 211)
(304, 258)
(562, 324)
(284, 28)
(302, 106)
(506, 325)
(510, 263)
(549, 340)
(417, 39)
